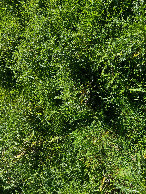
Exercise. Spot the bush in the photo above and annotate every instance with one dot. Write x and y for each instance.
(72, 83)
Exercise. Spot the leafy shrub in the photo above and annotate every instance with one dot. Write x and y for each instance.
(72, 89)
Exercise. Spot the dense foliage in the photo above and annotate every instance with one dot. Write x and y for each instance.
(72, 96)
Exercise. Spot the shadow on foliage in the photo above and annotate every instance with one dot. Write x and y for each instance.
(7, 78)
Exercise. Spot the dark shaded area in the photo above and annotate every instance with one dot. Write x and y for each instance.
(7, 78)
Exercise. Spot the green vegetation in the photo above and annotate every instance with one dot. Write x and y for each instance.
(72, 97)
